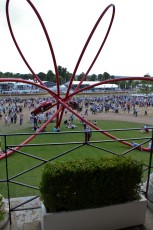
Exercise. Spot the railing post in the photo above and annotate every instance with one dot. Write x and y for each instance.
(149, 166)
(7, 179)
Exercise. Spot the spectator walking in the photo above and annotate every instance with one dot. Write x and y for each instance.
(15, 118)
(88, 134)
(21, 118)
(6, 119)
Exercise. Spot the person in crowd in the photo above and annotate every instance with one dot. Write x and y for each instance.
(86, 111)
(21, 118)
(54, 130)
(46, 116)
(145, 129)
(149, 144)
(66, 122)
(15, 118)
(6, 119)
(136, 145)
(135, 112)
(95, 122)
(145, 113)
(58, 129)
(88, 133)
(35, 122)
(70, 125)
(71, 117)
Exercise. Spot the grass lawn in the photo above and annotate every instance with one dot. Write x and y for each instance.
(18, 162)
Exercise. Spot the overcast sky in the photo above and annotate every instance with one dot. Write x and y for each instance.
(128, 50)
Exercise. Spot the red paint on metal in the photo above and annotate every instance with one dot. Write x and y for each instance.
(62, 103)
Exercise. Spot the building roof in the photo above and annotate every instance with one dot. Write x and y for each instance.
(86, 83)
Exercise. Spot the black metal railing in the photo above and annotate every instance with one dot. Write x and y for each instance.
(11, 179)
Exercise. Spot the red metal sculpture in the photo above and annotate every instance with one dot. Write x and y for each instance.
(66, 102)
(42, 108)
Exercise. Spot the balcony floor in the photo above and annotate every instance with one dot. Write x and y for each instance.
(30, 219)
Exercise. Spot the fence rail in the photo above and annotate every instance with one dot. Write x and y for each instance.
(73, 145)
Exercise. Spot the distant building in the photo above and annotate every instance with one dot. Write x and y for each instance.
(6, 86)
(20, 87)
(102, 87)
(49, 84)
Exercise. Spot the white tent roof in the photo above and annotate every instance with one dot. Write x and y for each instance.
(94, 82)
(106, 86)
(83, 83)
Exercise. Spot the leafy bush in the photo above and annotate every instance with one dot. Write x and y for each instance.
(89, 183)
(1, 208)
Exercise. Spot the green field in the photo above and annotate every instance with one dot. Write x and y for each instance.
(49, 148)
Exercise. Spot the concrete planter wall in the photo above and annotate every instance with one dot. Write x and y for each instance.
(107, 218)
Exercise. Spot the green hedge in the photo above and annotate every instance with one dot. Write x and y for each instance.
(89, 183)
(2, 213)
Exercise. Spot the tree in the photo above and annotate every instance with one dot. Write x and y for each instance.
(129, 84)
(106, 76)
(81, 76)
(93, 77)
(42, 76)
(50, 76)
(1, 75)
(27, 76)
(61, 80)
(122, 84)
(146, 88)
(147, 75)
(100, 77)
(64, 75)
(10, 75)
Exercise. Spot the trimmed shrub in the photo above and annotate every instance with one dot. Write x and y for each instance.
(90, 183)
(1, 208)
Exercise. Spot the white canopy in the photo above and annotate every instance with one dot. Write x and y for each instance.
(110, 86)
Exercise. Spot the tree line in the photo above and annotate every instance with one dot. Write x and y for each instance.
(65, 76)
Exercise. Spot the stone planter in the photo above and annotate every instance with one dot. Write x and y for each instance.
(107, 218)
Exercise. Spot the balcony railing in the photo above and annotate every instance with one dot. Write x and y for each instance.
(96, 145)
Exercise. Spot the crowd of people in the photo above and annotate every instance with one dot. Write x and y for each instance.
(12, 110)
(114, 103)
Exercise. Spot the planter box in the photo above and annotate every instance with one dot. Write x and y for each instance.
(105, 218)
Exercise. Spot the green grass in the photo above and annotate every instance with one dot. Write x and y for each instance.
(18, 163)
